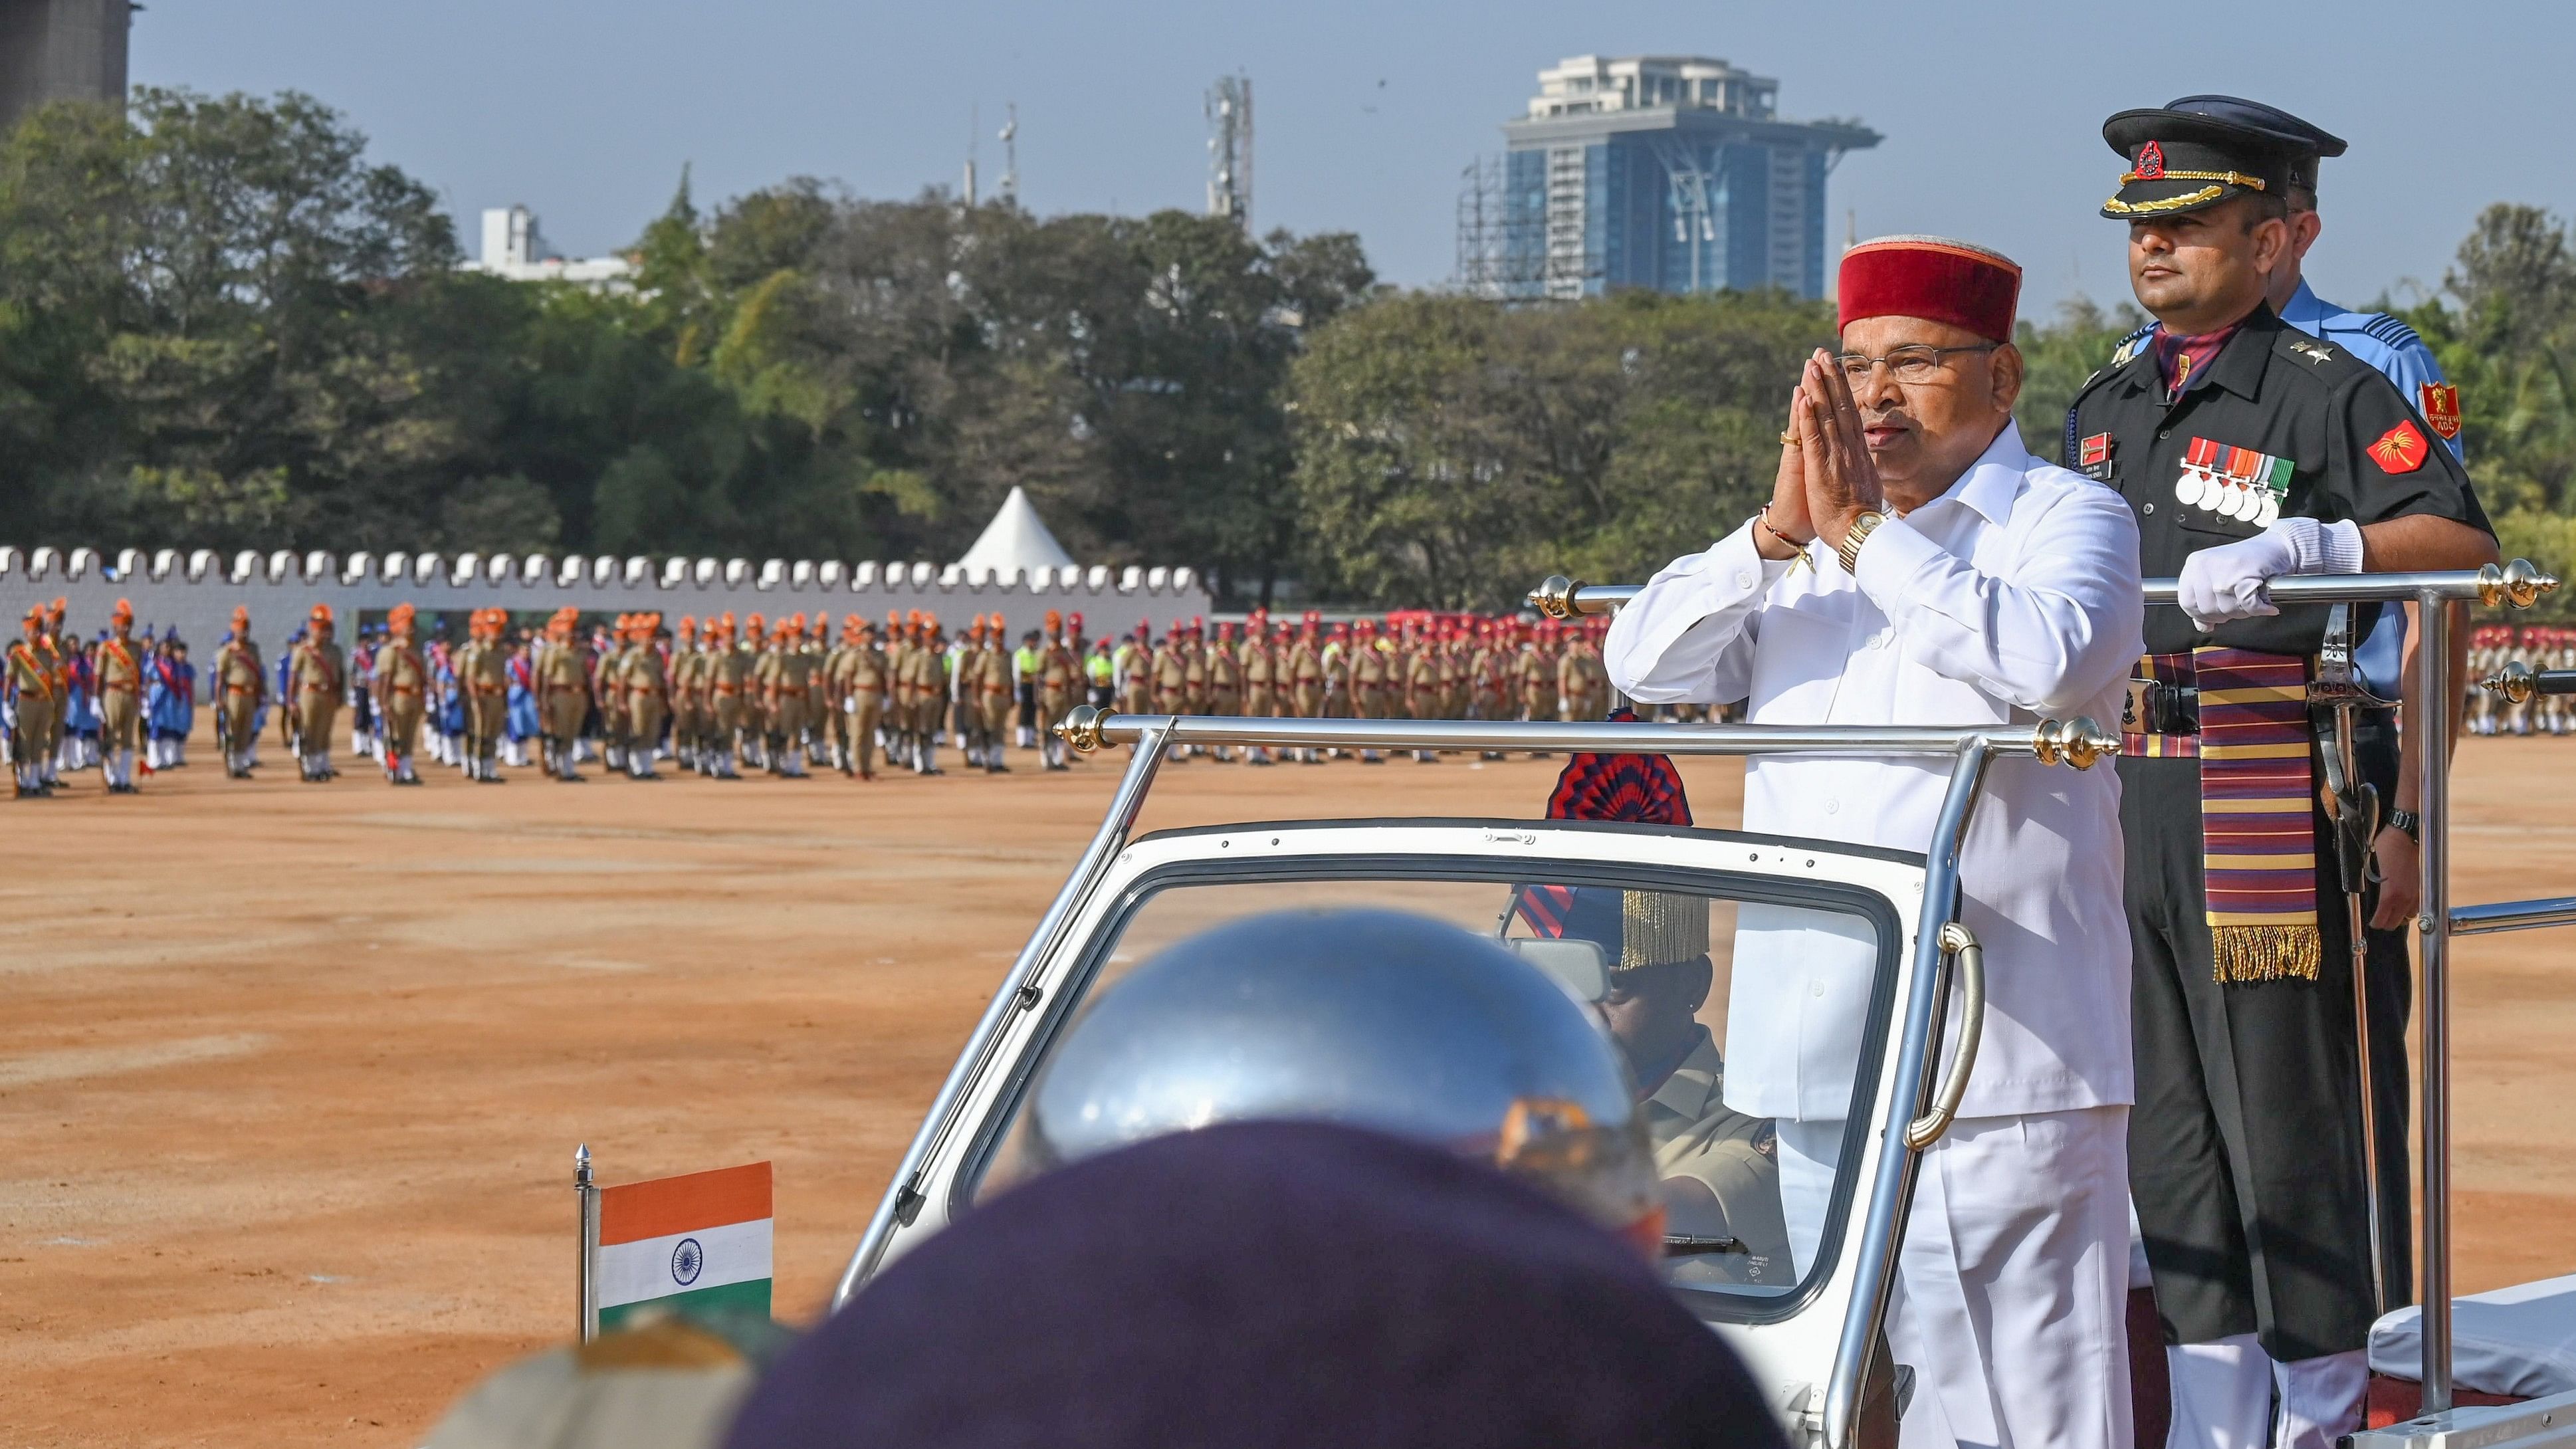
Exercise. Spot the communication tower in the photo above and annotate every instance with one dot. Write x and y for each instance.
(1229, 115)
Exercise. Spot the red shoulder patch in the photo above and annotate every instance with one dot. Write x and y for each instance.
(2440, 402)
(2399, 450)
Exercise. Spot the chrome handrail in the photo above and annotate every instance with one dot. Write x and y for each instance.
(2519, 583)
(2487, 920)
(2078, 742)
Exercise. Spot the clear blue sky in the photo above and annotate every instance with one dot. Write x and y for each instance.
(1367, 111)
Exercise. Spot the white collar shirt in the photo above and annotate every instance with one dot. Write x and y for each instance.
(2011, 597)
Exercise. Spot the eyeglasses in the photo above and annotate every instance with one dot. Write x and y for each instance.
(1917, 364)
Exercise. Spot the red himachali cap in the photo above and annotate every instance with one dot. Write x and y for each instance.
(1931, 277)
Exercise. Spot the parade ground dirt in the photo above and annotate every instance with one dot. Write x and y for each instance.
(292, 1075)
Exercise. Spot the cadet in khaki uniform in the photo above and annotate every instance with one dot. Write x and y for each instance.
(788, 698)
(992, 691)
(485, 677)
(315, 674)
(687, 702)
(1059, 690)
(563, 696)
(1224, 670)
(608, 691)
(728, 681)
(1172, 679)
(241, 683)
(832, 690)
(120, 700)
(31, 688)
(1303, 670)
(1425, 682)
(1582, 680)
(401, 687)
(648, 697)
(925, 690)
(867, 696)
(1134, 666)
(1489, 693)
(1260, 665)
(1372, 680)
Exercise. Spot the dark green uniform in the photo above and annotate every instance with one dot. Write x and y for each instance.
(2244, 1146)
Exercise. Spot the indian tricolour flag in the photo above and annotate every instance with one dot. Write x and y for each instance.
(700, 1241)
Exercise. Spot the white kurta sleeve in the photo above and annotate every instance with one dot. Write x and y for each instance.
(2059, 627)
(1688, 635)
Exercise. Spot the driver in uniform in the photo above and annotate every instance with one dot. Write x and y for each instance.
(1719, 1167)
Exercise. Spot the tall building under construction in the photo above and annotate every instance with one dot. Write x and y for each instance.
(61, 50)
(1669, 172)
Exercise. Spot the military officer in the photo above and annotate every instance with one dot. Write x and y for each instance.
(401, 686)
(316, 672)
(2248, 450)
(240, 683)
(1223, 668)
(35, 698)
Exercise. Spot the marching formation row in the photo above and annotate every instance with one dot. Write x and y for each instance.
(718, 695)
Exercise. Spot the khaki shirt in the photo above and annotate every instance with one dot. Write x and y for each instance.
(1697, 1136)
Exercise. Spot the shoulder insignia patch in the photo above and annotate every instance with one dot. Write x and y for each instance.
(2399, 450)
(2440, 404)
(2313, 351)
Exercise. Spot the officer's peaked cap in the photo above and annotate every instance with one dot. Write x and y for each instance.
(2185, 160)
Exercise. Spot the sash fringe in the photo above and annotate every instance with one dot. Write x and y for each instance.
(2245, 954)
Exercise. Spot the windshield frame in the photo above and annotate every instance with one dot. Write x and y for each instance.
(1503, 871)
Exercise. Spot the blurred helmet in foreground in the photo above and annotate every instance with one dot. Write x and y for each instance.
(1368, 1018)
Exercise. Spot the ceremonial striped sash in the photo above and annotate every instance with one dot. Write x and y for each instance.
(2257, 789)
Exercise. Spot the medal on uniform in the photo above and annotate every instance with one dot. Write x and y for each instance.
(2234, 483)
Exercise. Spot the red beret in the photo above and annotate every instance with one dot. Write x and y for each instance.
(1931, 277)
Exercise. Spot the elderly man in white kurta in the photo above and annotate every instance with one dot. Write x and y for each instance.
(1916, 565)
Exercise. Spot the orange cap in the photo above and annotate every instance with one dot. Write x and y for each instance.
(321, 614)
(123, 613)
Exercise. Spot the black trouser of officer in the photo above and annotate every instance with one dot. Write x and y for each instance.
(2245, 1145)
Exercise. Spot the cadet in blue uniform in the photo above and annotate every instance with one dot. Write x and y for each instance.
(2248, 450)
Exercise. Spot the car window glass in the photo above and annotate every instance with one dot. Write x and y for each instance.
(1746, 1088)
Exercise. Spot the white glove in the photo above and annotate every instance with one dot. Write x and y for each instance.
(2223, 584)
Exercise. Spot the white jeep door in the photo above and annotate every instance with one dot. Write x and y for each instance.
(1771, 1163)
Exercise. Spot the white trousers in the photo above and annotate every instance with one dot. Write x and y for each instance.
(2225, 1396)
(2012, 1291)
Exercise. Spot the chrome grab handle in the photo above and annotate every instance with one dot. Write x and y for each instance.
(1969, 958)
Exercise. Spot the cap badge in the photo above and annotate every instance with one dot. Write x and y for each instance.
(2440, 402)
(2399, 450)
(2151, 162)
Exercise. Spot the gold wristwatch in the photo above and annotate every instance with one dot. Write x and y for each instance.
(1853, 537)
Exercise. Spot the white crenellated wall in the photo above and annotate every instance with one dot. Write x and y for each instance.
(198, 590)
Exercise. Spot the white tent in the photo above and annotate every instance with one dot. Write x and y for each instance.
(1016, 539)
